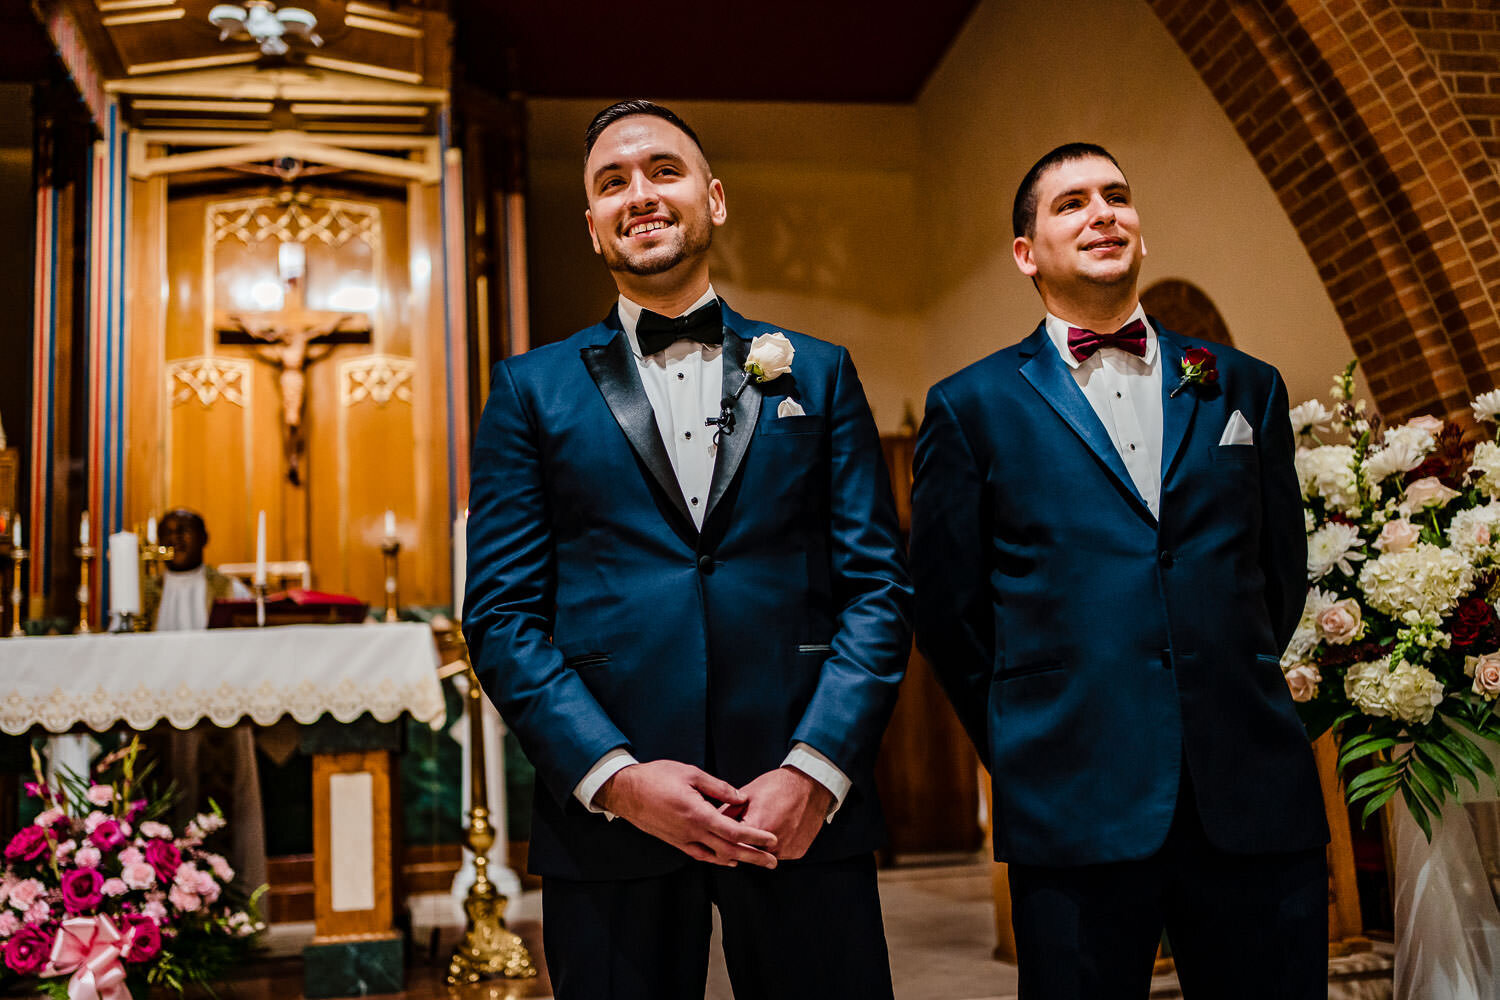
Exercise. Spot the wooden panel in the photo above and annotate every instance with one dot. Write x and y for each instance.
(329, 922)
(1345, 925)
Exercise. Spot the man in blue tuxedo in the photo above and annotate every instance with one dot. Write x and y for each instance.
(1109, 553)
(687, 597)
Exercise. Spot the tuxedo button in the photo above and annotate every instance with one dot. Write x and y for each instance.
(1165, 559)
(705, 564)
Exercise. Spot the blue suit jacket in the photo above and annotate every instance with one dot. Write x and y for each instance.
(1089, 649)
(599, 617)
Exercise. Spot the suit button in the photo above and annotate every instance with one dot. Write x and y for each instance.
(1165, 559)
(705, 564)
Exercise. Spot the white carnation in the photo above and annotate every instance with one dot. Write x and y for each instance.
(1327, 471)
(1309, 417)
(1417, 585)
(1408, 692)
(1335, 545)
(1486, 406)
(1402, 450)
(1475, 533)
(1484, 470)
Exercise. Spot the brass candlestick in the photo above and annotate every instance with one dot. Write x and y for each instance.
(260, 604)
(153, 558)
(85, 554)
(17, 574)
(488, 947)
(391, 550)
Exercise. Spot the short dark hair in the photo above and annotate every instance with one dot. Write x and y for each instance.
(192, 517)
(1023, 212)
(626, 109)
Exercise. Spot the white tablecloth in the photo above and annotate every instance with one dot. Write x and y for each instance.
(221, 675)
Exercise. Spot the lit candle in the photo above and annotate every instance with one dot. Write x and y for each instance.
(460, 555)
(390, 525)
(260, 550)
(83, 529)
(151, 530)
(15, 532)
(124, 573)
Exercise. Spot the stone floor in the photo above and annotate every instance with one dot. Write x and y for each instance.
(938, 916)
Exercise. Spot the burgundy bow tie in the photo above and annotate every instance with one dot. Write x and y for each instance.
(1130, 337)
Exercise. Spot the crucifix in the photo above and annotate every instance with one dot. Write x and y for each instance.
(291, 339)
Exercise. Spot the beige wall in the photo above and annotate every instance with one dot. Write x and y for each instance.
(887, 228)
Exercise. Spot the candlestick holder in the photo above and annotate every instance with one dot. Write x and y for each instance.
(130, 621)
(260, 604)
(17, 574)
(85, 554)
(391, 550)
(153, 558)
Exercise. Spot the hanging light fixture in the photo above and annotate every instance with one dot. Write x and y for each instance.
(262, 22)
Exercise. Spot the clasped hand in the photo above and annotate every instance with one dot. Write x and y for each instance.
(775, 817)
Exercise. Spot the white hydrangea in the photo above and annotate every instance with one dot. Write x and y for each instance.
(1417, 585)
(1402, 449)
(1309, 417)
(1327, 471)
(1486, 406)
(1408, 692)
(1475, 533)
(1335, 545)
(1484, 470)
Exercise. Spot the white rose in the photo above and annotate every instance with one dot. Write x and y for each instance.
(770, 356)
(1426, 492)
(1340, 623)
(1397, 536)
(1486, 673)
(1303, 680)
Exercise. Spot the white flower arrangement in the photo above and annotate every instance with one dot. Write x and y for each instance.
(1416, 586)
(1327, 472)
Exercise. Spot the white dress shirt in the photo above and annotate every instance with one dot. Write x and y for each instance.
(684, 384)
(184, 600)
(1125, 393)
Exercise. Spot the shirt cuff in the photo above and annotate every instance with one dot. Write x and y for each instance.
(607, 767)
(822, 770)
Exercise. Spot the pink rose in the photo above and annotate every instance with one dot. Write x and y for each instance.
(151, 828)
(108, 835)
(155, 910)
(1340, 623)
(187, 876)
(47, 817)
(88, 856)
(26, 892)
(27, 950)
(1426, 492)
(1432, 425)
(1486, 673)
(185, 901)
(142, 938)
(39, 913)
(115, 887)
(9, 924)
(1397, 536)
(164, 857)
(100, 795)
(131, 856)
(81, 889)
(1303, 681)
(139, 875)
(221, 867)
(29, 844)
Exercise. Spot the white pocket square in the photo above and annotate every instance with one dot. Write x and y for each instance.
(790, 408)
(1237, 431)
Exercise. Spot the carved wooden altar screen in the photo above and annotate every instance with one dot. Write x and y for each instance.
(289, 356)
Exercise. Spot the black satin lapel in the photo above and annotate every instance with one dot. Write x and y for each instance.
(1176, 413)
(746, 412)
(614, 370)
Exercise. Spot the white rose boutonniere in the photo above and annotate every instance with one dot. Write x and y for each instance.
(770, 356)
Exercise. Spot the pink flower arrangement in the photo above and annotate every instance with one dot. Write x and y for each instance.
(97, 873)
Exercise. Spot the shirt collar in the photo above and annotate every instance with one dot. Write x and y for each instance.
(1057, 331)
(630, 315)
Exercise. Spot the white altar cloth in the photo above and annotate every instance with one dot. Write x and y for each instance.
(221, 675)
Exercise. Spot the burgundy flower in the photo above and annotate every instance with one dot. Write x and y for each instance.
(27, 951)
(82, 889)
(107, 835)
(142, 938)
(1473, 621)
(1203, 359)
(164, 857)
(29, 843)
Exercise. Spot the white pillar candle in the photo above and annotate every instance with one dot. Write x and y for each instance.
(460, 557)
(124, 573)
(390, 525)
(83, 529)
(260, 550)
(15, 532)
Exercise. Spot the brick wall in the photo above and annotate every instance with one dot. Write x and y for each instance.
(1380, 170)
(1462, 42)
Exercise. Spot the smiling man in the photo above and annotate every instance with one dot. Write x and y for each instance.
(1108, 546)
(687, 598)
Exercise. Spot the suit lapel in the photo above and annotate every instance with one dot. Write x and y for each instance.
(1050, 376)
(1176, 413)
(746, 410)
(613, 368)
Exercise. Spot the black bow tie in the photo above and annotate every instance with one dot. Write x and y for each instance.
(656, 332)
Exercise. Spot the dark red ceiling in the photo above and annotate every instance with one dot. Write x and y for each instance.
(772, 50)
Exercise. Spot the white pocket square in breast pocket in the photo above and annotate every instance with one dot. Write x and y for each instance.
(790, 408)
(1237, 431)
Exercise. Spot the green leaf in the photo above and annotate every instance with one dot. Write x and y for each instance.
(1435, 780)
(1363, 747)
(1447, 764)
(1415, 790)
(1376, 802)
(1374, 776)
(1465, 748)
(1423, 820)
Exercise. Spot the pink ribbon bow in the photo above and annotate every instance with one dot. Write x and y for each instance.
(89, 948)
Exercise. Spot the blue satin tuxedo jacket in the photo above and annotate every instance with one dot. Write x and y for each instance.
(1091, 649)
(599, 617)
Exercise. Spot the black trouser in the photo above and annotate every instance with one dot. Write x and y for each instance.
(803, 930)
(1241, 927)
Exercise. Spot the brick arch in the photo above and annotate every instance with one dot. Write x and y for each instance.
(1184, 307)
(1356, 113)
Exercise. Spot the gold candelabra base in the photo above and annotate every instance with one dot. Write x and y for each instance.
(391, 549)
(85, 554)
(18, 573)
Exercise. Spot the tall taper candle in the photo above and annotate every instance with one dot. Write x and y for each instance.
(260, 550)
(151, 530)
(390, 525)
(15, 532)
(83, 530)
(124, 573)
(460, 556)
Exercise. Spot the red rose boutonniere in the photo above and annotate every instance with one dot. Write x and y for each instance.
(1199, 367)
